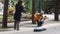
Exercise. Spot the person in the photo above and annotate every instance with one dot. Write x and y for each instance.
(38, 17)
(17, 15)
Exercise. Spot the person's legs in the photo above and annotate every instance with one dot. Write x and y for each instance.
(15, 24)
(40, 23)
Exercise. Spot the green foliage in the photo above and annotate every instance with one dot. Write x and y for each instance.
(46, 4)
(13, 2)
(28, 5)
(50, 4)
(2, 1)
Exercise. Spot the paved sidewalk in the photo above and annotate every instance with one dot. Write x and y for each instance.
(53, 27)
(26, 27)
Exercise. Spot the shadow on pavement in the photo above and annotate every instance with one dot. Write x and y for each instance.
(39, 30)
(6, 29)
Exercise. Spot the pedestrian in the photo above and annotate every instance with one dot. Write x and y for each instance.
(17, 15)
(38, 17)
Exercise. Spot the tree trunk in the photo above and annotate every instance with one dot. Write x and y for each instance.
(56, 10)
(39, 6)
(33, 11)
(5, 14)
(56, 15)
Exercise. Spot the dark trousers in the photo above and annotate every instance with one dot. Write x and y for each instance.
(39, 23)
(16, 25)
